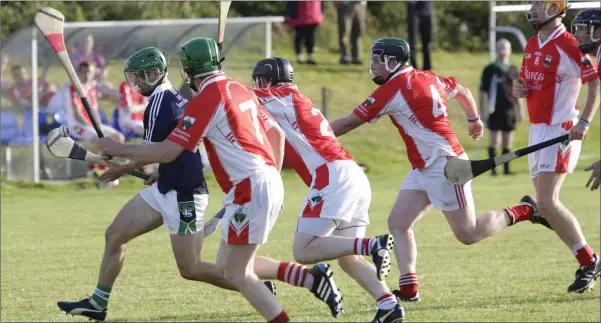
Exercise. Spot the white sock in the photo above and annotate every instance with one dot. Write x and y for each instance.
(386, 301)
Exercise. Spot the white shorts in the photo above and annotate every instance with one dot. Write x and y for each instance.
(558, 158)
(320, 227)
(443, 194)
(126, 123)
(86, 132)
(252, 207)
(339, 191)
(181, 214)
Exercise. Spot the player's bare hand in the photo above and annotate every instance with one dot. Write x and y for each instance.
(520, 89)
(578, 131)
(595, 178)
(113, 173)
(154, 177)
(475, 129)
(108, 146)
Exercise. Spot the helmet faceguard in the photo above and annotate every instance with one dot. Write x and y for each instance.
(382, 52)
(541, 13)
(145, 70)
(586, 27)
(144, 81)
(379, 66)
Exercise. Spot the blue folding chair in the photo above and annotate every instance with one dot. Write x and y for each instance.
(26, 136)
(9, 128)
(127, 134)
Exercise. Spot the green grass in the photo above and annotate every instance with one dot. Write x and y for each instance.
(52, 241)
(53, 235)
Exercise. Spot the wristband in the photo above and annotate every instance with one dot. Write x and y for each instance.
(584, 122)
(473, 120)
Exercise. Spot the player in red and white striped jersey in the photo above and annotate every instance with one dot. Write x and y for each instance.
(339, 196)
(586, 27)
(553, 71)
(226, 114)
(415, 102)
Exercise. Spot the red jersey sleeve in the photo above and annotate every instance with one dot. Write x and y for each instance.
(588, 69)
(449, 85)
(197, 119)
(372, 108)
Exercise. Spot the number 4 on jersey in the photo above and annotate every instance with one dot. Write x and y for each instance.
(438, 106)
(324, 126)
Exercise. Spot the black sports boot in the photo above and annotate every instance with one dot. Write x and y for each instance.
(269, 284)
(402, 298)
(325, 288)
(83, 308)
(537, 218)
(395, 315)
(380, 254)
(586, 277)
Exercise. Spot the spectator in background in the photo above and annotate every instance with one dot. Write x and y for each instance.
(131, 108)
(420, 20)
(304, 17)
(20, 92)
(351, 19)
(4, 84)
(84, 52)
(499, 111)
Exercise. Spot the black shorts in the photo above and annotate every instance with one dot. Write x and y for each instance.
(502, 121)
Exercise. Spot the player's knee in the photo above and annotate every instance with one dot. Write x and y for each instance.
(114, 238)
(301, 255)
(466, 237)
(547, 205)
(396, 223)
(347, 263)
(187, 271)
(302, 251)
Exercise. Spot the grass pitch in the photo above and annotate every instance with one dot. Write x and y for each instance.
(53, 236)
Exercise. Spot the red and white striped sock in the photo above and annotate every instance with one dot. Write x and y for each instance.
(294, 274)
(519, 213)
(584, 254)
(408, 284)
(386, 301)
(363, 246)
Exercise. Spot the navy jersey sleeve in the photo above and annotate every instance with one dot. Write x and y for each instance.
(160, 118)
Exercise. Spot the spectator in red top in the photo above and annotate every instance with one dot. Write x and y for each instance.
(20, 92)
(304, 17)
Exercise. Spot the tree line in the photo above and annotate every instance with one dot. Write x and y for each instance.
(460, 26)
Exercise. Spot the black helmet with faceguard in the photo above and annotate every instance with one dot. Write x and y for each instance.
(382, 51)
(275, 70)
(586, 27)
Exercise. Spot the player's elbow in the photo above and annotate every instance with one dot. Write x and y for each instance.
(463, 92)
